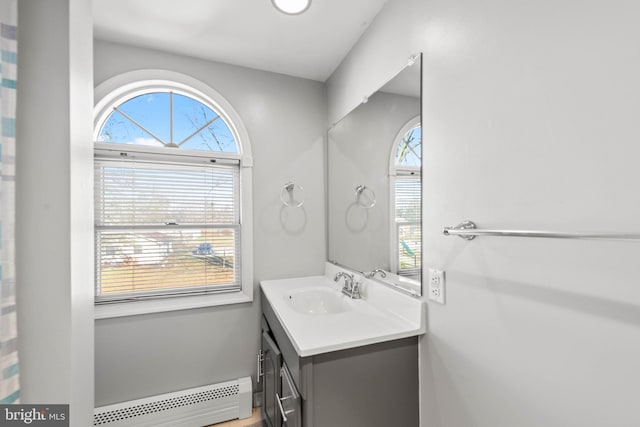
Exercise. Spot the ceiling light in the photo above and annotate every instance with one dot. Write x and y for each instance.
(292, 7)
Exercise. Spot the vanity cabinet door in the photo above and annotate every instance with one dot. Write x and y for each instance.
(290, 401)
(272, 360)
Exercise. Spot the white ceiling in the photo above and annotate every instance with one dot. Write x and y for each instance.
(250, 33)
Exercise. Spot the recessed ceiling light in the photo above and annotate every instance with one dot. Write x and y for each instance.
(292, 7)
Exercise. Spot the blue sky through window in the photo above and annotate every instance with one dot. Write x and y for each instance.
(151, 111)
(409, 151)
(146, 120)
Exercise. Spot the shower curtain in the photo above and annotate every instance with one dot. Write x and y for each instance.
(9, 365)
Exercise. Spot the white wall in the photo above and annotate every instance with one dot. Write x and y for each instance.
(54, 230)
(144, 355)
(379, 55)
(529, 118)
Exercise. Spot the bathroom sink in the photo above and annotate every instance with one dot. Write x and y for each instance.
(318, 318)
(317, 301)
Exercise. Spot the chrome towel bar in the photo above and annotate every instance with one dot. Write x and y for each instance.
(468, 231)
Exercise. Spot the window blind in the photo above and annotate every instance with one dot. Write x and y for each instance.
(408, 196)
(165, 229)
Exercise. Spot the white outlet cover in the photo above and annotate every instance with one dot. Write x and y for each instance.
(436, 285)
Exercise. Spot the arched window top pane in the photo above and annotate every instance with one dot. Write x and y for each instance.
(409, 151)
(168, 119)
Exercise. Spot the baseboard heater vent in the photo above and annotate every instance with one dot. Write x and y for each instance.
(195, 407)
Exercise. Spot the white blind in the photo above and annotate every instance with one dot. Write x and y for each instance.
(408, 196)
(165, 229)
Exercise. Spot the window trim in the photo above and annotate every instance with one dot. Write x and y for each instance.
(125, 86)
(394, 171)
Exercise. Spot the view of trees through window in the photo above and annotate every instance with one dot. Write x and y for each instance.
(410, 148)
(168, 119)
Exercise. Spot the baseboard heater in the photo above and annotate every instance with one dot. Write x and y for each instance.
(195, 407)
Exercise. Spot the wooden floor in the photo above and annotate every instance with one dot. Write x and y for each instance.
(254, 421)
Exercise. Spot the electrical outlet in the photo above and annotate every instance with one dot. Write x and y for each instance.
(436, 285)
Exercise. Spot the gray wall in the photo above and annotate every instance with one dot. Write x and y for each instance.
(530, 121)
(285, 117)
(358, 154)
(54, 227)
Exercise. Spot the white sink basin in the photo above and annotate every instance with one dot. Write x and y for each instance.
(318, 318)
(317, 301)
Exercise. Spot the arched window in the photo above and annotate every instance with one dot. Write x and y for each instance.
(406, 196)
(167, 118)
(170, 178)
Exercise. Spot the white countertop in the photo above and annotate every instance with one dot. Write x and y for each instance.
(383, 314)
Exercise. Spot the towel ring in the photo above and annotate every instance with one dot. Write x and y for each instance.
(287, 197)
(365, 197)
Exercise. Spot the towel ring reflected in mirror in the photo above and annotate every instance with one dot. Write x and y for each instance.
(287, 196)
(365, 197)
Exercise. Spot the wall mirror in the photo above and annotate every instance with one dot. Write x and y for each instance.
(374, 183)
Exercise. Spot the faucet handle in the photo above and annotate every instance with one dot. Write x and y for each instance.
(372, 274)
(355, 289)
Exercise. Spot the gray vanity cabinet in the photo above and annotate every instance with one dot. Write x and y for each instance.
(370, 386)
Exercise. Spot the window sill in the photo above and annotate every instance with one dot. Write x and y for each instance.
(169, 304)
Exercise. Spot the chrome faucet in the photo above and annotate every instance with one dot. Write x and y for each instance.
(350, 288)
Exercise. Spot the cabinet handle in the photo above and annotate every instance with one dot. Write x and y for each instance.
(284, 415)
(260, 362)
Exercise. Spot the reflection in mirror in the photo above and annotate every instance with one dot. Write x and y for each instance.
(378, 147)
